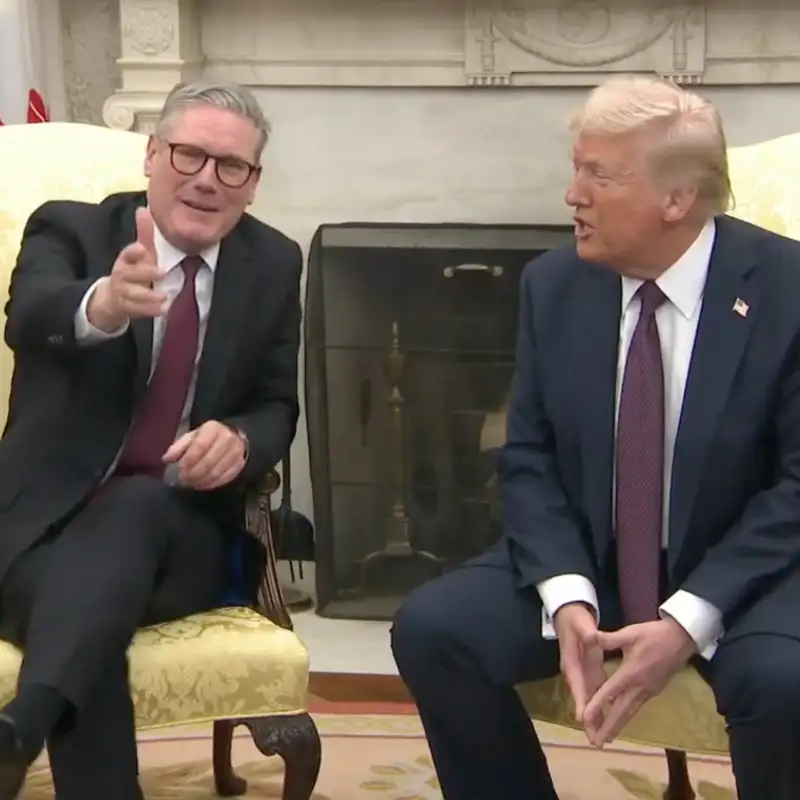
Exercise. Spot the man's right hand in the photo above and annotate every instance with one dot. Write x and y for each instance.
(581, 654)
(128, 292)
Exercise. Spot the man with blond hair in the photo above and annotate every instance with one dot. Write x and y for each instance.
(651, 477)
(155, 338)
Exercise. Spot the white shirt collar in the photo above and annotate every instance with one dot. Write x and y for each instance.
(684, 281)
(168, 256)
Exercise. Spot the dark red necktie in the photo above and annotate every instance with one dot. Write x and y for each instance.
(156, 420)
(640, 466)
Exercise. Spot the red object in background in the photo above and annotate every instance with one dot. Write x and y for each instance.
(37, 110)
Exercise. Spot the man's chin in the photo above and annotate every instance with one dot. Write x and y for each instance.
(196, 235)
(587, 249)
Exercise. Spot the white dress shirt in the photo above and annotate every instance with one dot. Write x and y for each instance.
(677, 319)
(168, 259)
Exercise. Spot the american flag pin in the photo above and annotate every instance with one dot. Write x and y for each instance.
(740, 307)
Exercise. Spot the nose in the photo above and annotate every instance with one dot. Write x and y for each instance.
(206, 179)
(576, 195)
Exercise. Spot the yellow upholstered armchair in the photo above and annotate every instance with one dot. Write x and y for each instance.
(234, 666)
(683, 719)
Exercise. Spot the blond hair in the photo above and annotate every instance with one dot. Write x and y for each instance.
(691, 142)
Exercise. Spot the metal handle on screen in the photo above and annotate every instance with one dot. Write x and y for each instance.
(495, 272)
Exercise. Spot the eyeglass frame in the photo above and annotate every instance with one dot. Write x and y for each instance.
(251, 168)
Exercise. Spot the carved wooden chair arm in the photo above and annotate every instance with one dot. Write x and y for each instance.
(257, 520)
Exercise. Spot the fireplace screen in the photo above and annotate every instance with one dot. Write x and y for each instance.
(409, 344)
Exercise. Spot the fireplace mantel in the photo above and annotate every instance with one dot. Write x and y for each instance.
(444, 43)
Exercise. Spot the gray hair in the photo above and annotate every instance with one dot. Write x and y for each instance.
(691, 142)
(229, 96)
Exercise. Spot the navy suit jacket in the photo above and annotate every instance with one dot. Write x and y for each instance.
(735, 501)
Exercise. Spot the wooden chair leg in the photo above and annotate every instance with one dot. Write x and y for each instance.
(679, 786)
(226, 782)
(296, 740)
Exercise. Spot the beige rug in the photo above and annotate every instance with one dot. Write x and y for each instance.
(366, 757)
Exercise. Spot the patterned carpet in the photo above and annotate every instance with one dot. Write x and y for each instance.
(371, 756)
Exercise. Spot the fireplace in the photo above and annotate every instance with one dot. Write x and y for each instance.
(409, 349)
(430, 110)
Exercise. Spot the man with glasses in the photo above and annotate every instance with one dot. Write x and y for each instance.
(156, 339)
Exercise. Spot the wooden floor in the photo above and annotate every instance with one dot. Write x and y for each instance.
(367, 694)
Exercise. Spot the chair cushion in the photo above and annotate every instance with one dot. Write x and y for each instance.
(682, 717)
(227, 663)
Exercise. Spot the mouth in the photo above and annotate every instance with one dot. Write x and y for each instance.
(582, 228)
(199, 206)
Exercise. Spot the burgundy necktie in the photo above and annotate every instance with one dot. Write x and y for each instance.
(156, 420)
(640, 466)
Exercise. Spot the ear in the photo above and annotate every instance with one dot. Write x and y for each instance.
(149, 156)
(679, 202)
(256, 179)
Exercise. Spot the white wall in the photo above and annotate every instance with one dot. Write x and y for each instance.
(431, 155)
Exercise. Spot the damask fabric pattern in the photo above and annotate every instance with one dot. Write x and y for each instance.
(683, 717)
(221, 664)
(765, 177)
(228, 663)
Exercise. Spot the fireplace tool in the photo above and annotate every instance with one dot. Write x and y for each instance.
(294, 538)
(398, 567)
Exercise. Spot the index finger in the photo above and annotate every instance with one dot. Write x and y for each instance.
(572, 671)
(607, 693)
(617, 717)
(179, 447)
(146, 231)
(202, 441)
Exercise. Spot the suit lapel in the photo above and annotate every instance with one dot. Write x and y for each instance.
(597, 327)
(141, 329)
(234, 281)
(722, 335)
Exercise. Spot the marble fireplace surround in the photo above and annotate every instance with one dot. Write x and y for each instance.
(444, 110)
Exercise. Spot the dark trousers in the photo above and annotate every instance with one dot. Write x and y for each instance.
(463, 641)
(139, 553)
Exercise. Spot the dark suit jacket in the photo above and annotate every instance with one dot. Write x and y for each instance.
(735, 500)
(71, 405)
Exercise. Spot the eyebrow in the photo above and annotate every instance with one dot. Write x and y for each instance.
(217, 156)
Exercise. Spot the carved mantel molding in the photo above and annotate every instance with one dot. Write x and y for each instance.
(444, 43)
(160, 46)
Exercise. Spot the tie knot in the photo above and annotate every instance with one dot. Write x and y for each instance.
(191, 265)
(651, 297)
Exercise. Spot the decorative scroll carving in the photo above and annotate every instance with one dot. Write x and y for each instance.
(583, 33)
(569, 42)
(440, 43)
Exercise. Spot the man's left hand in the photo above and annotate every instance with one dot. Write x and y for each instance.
(652, 653)
(208, 457)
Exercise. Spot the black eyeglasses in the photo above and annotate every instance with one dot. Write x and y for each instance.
(231, 171)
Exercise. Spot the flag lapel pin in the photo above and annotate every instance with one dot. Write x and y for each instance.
(740, 307)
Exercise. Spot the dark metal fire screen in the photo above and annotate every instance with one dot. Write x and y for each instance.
(409, 344)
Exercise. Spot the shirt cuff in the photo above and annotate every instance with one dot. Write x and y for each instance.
(85, 332)
(699, 618)
(560, 591)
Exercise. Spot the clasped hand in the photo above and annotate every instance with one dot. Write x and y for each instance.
(207, 457)
(652, 653)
